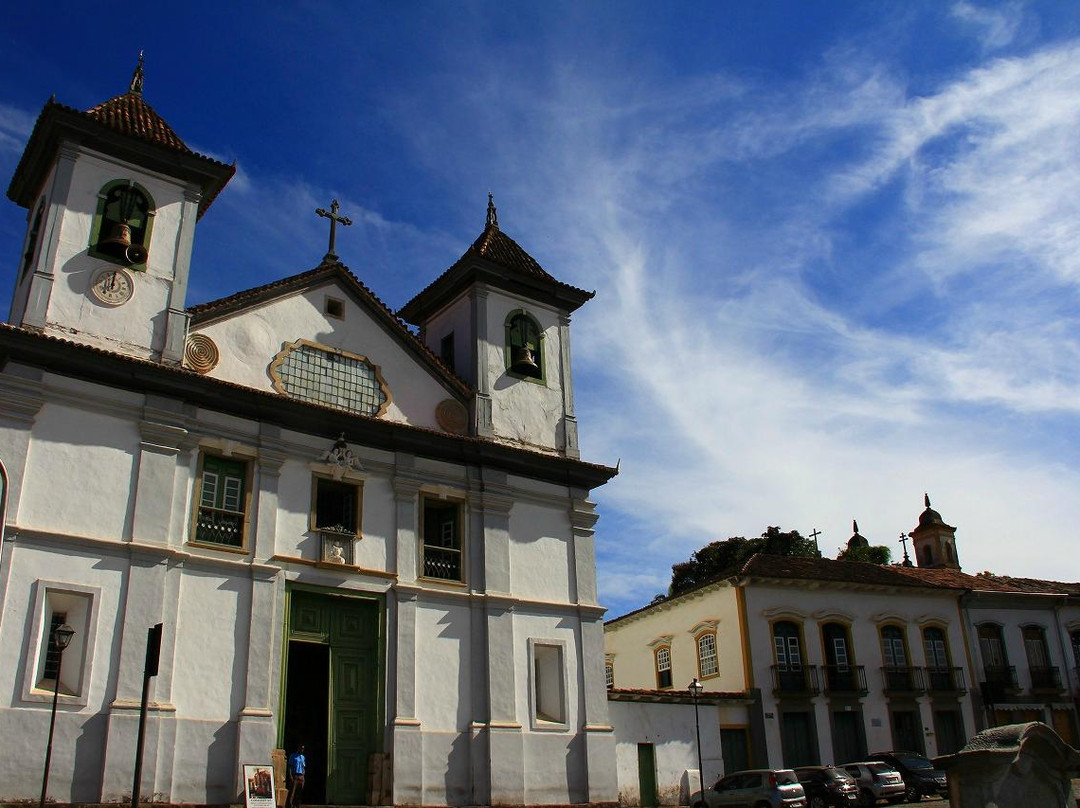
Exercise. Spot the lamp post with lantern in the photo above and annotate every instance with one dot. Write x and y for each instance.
(695, 688)
(60, 639)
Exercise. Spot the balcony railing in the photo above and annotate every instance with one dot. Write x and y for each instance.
(442, 562)
(946, 680)
(899, 679)
(796, 680)
(1046, 679)
(845, 679)
(999, 683)
(216, 526)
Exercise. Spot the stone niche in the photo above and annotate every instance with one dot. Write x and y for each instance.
(1014, 766)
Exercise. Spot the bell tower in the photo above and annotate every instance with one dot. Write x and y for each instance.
(113, 195)
(501, 322)
(934, 541)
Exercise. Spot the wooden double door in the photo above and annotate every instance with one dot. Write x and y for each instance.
(333, 691)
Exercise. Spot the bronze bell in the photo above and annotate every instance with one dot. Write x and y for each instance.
(120, 235)
(523, 362)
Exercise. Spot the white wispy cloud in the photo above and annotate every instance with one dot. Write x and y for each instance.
(996, 27)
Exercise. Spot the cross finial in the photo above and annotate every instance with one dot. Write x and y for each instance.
(492, 214)
(814, 534)
(137, 77)
(332, 215)
(904, 537)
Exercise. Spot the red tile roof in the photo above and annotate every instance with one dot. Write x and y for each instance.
(129, 115)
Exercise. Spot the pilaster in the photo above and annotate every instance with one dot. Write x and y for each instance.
(506, 742)
(35, 313)
(408, 738)
(176, 319)
(583, 517)
(481, 347)
(566, 378)
(163, 434)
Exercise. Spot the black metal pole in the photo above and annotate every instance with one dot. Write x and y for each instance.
(52, 725)
(150, 669)
(697, 730)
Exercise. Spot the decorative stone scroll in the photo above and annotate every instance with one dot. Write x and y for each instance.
(200, 353)
(452, 416)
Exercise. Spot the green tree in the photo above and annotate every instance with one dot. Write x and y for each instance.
(725, 556)
(879, 554)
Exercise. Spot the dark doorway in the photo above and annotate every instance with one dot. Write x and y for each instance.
(797, 739)
(735, 748)
(307, 700)
(950, 731)
(848, 743)
(646, 762)
(907, 731)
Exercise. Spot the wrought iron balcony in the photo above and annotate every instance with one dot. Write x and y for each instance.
(1001, 678)
(1046, 679)
(442, 562)
(946, 680)
(900, 680)
(795, 680)
(217, 526)
(845, 680)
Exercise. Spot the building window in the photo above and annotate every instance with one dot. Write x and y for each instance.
(308, 371)
(892, 647)
(786, 646)
(446, 350)
(1035, 647)
(334, 308)
(58, 604)
(706, 655)
(221, 517)
(123, 224)
(549, 687)
(336, 506)
(441, 530)
(663, 666)
(609, 673)
(524, 345)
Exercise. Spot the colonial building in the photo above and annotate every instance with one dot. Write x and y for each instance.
(373, 541)
(835, 659)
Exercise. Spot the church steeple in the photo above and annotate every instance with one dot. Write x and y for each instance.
(856, 539)
(934, 540)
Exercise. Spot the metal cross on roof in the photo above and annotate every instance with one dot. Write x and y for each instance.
(814, 534)
(904, 537)
(332, 215)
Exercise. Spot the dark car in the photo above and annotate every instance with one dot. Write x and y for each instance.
(827, 785)
(921, 779)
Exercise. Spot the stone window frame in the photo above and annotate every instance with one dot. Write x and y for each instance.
(542, 667)
(48, 596)
(225, 451)
(274, 371)
(701, 632)
(450, 500)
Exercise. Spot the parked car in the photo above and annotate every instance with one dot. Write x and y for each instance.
(920, 776)
(827, 785)
(876, 781)
(759, 788)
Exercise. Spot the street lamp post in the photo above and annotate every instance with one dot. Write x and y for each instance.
(695, 688)
(61, 638)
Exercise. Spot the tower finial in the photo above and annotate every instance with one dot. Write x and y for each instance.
(926, 499)
(854, 526)
(137, 77)
(492, 214)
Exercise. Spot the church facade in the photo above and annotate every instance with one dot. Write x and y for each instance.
(369, 540)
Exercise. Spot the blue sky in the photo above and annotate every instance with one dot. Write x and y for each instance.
(836, 246)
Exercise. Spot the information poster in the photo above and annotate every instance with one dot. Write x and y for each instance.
(258, 785)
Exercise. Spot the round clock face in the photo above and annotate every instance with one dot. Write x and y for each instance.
(113, 286)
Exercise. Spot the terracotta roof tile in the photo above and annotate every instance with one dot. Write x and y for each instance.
(129, 115)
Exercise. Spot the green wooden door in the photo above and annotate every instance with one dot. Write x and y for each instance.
(646, 762)
(354, 672)
(350, 627)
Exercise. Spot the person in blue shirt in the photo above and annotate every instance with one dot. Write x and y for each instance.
(296, 768)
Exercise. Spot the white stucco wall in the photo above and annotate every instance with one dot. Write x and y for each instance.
(540, 561)
(455, 319)
(134, 327)
(248, 341)
(670, 728)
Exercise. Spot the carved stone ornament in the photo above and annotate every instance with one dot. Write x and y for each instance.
(341, 455)
(452, 416)
(200, 353)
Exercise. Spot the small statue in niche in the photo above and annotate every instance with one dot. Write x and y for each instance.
(337, 554)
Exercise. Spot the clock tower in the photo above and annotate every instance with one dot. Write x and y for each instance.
(113, 196)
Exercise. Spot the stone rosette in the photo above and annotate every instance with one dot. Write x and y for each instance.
(200, 353)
